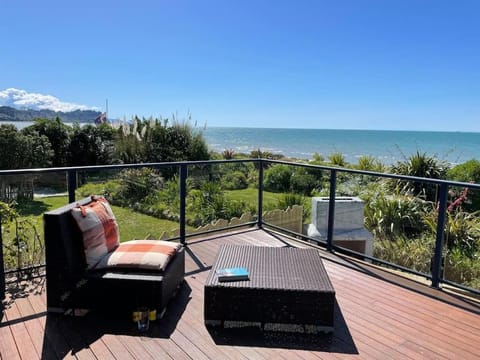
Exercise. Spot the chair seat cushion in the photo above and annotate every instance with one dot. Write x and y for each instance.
(140, 254)
(99, 229)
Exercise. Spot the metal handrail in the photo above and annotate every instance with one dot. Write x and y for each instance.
(436, 276)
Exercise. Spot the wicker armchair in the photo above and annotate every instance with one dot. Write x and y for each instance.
(70, 285)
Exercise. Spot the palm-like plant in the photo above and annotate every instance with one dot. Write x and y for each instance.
(337, 159)
(462, 230)
(228, 154)
(391, 217)
(419, 165)
(369, 163)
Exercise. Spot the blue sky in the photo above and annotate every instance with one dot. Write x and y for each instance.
(345, 64)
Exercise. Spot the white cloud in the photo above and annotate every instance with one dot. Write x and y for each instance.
(21, 99)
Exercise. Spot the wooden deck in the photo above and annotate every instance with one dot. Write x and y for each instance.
(377, 317)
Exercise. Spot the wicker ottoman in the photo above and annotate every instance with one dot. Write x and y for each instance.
(288, 290)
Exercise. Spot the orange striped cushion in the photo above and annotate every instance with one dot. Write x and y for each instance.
(99, 229)
(141, 254)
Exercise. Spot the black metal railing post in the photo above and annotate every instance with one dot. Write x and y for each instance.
(2, 267)
(260, 193)
(71, 184)
(438, 254)
(183, 196)
(331, 209)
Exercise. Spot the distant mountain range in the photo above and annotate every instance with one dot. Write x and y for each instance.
(8, 113)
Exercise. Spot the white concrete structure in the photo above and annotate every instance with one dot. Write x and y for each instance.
(348, 230)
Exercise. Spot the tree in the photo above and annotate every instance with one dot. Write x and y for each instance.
(91, 145)
(19, 151)
(57, 133)
(9, 147)
(35, 151)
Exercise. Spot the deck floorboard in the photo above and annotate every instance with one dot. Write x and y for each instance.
(377, 316)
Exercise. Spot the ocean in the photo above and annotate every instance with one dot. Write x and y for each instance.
(386, 146)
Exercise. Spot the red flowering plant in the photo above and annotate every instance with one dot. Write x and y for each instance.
(458, 202)
(462, 228)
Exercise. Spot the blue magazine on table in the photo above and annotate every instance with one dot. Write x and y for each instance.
(232, 274)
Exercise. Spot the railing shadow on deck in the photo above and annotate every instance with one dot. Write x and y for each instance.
(452, 297)
(70, 334)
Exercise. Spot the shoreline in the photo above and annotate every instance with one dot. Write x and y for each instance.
(388, 147)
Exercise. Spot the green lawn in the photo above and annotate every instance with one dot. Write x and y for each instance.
(250, 196)
(132, 225)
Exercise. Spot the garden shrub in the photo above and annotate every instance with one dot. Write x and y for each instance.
(234, 180)
(303, 182)
(161, 210)
(389, 217)
(22, 242)
(252, 178)
(415, 254)
(209, 203)
(100, 188)
(468, 172)
(462, 230)
(236, 208)
(178, 142)
(137, 184)
(277, 178)
(170, 192)
(291, 199)
(461, 269)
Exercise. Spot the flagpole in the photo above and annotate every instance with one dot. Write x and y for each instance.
(106, 109)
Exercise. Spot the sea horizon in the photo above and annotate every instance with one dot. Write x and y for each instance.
(387, 146)
(335, 129)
